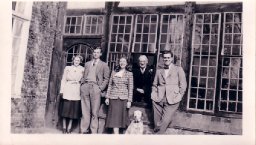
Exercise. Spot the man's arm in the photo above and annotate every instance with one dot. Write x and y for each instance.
(105, 77)
(182, 81)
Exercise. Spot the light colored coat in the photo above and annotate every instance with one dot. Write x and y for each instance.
(120, 87)
(70, 83)
(173, 86)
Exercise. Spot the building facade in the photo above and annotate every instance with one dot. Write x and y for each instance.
(206, 40)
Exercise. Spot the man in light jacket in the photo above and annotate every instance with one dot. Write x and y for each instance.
(168, 89)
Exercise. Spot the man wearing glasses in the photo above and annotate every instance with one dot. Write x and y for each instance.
(168, 89)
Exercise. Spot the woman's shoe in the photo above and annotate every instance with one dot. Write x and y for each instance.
(64, 130)
(69, 131)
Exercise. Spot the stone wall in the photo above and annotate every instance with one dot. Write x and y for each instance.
(28, 112)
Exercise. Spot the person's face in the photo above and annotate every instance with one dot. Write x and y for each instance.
(123, 63)
(167, 59)
(143, 62)
(97, 53)
(77, 61)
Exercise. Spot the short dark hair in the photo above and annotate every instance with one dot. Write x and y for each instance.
(167, 52)
(97, 48)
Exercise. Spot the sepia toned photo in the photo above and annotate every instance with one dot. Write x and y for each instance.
(161, 68)
(129, 72)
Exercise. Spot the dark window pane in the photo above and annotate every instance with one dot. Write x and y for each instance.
(126, 38)
(205, 49)
(207, 18)
(227, 50)
(195, 70)
(224, 94)
(231, 106)
(237, 39)
(237, 28)
(194, 82)
(128, 20)
(197, 39)
(152, 38)
(137, 48)
(213, 49)
(198, 28)
(209, 105)
(226, 61)
(239, 107)
(114, 28)
(200, 104)
(233, 83)
(204, 61)
(146, 19)
(215, 18)
(93, 29)
(229, 17)
(225, 83)
(240, 84)
(14, 5)
(205, 39)
(201, 93)
(237, 17)
(211, 82)
(164, 28)
(153, 28)
(240, 96)
(119, 47)
(196, 60)
(212, 72)
(138, 38)
(116, 19)
(121, 29)
(206, 29)
(94, 20)
(113, 38)
(78, 28)
(79, 20)
(215, 29)
(144, 47)
(145, 38)
(68, 21)
(199, 18)
(228, 28)
(72, 29)
(202, 82)
(240, 73)
(165, 18)
(214, 39)
(232, 95)
(139, 28)
(127, 28)
(193, 93)
(210, 94)
(228, 38)
(236, 50)
(153, 18)
(212, 61)
(203, 71)
(192, 103)
(223, 106)
(67, 29)
(163, 38)
(122, 20)
(73, 20)
(112, 48)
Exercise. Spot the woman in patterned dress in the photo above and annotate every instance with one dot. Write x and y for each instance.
(119, 97)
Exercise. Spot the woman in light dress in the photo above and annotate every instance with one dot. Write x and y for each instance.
(70, 107)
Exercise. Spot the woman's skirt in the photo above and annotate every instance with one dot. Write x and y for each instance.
(117, 116)
(70, 109)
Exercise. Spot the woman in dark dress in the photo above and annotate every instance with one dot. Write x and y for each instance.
(119, 97)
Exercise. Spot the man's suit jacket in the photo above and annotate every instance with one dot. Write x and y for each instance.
(173, 86)
(102, 73)
(143, 81)
(120, 87)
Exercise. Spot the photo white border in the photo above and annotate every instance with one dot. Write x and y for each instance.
(248, 137)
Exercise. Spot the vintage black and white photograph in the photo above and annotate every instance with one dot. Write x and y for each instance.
(125, 68)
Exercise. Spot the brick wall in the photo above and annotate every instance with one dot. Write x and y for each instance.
(27, 112)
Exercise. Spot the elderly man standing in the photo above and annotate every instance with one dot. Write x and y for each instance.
(143, 81)
(94, 82)
(168, 89)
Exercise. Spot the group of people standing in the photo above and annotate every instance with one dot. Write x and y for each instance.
(82, 89)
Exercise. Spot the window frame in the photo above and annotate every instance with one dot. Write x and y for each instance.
(75, 25)
(22, 47)
(97, 25)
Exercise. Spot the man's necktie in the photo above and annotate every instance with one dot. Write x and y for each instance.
(166, 67)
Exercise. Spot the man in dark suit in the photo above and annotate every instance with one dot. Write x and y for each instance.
(142, 81)
(168, 88)
(94, 82)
